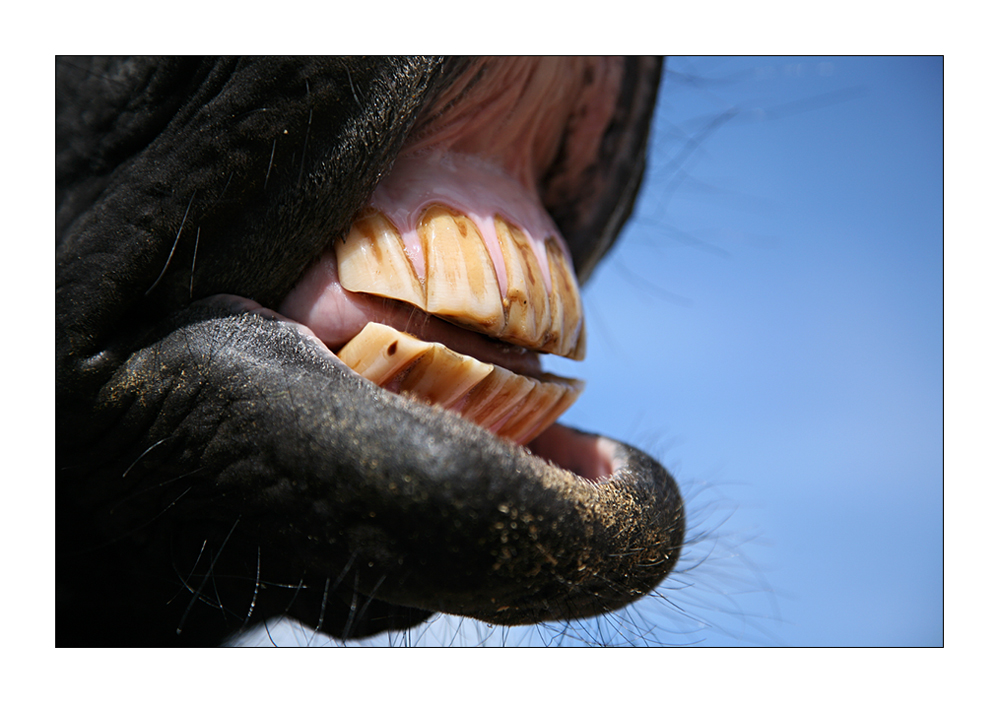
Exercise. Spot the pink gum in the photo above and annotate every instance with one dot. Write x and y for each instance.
(472, 187)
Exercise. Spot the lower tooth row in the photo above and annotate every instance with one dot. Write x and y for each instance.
(511, 405)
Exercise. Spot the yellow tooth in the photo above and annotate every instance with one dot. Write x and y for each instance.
(513, 406)
(371, 259)
(379, 352)
(571, 390)
(496, 397)
(580, 351)
(443, 376)
(550, 397)
(527, 303)
(461, 282)
(567, 308)
(426, 370)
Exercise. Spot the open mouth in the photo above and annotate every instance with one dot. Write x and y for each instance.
(454, 279)
(437, 293)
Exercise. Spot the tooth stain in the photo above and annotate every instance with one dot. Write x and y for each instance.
(529, 319)
(567, 307)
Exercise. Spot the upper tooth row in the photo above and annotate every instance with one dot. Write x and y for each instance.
(460, 282)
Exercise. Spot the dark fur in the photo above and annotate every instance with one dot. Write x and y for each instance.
(216, 468)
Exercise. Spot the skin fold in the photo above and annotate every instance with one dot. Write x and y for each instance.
(216, 464)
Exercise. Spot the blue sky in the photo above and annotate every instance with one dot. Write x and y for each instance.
(771, 326)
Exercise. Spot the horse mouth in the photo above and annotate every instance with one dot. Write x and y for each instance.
(454, 279)
(447, 288)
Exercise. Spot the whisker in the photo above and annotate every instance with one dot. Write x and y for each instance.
(177, 238)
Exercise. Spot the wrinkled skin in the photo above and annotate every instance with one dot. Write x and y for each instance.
(216, 465)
